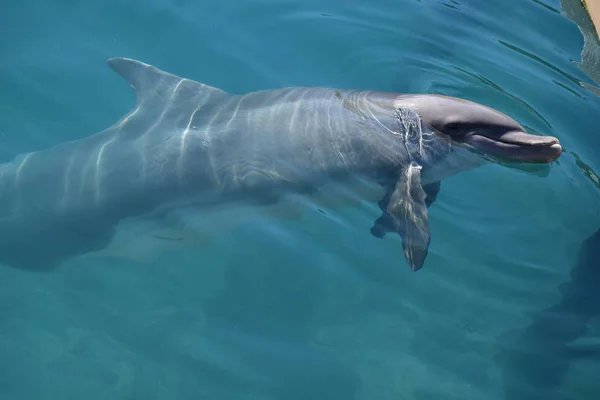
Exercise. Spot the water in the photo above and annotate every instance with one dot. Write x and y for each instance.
(505, 308)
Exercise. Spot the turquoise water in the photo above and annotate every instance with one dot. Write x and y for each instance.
(506, 307)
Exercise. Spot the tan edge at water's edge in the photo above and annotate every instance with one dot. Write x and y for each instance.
(593, 9)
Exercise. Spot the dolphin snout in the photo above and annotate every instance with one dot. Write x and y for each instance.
(526, 139)
(533, 148)
(519, 146)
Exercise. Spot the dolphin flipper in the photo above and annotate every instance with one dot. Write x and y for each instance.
(385, 222)
(405, 212)
(431, 191)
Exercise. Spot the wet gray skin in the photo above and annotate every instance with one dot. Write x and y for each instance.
(187, 145)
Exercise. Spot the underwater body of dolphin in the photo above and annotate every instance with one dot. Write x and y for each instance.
(191, 149)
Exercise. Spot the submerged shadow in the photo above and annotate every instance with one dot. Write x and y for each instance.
(534, 361)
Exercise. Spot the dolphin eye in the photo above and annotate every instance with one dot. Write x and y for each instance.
(452, 127)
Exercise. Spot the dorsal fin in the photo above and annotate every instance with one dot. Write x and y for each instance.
(148, 80)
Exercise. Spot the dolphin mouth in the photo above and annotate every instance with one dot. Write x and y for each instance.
(518, 146)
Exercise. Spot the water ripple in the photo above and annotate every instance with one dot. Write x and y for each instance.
(314, 307)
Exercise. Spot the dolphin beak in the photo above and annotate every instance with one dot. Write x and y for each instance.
(518, 146)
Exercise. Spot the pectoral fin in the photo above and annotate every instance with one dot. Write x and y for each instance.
(406, 214)
(431, 191)
(385, 223)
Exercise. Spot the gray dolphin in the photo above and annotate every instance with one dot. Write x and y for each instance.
(190, 149)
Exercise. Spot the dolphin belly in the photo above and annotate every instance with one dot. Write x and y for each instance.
(145, 238)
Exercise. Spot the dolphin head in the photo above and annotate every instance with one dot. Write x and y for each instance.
(458, 134)
(480, 129)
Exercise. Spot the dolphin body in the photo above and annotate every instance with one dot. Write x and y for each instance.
(188, 151)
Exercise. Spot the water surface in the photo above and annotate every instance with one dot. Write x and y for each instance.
(318, 309)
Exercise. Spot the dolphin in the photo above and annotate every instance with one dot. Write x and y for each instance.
(188, 151)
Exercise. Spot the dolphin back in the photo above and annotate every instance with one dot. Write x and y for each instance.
(149, 81)
(67, 200)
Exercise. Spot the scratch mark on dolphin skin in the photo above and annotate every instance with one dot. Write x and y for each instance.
(126, 119)
(295, 110)
(410, 121)
(182, 144)
(335, 139)
(18, 178)
(98, 166)
(165, 110)
(208, 137)
(237, 108)
(349, 102)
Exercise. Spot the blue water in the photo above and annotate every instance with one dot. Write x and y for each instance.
(506, 307)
